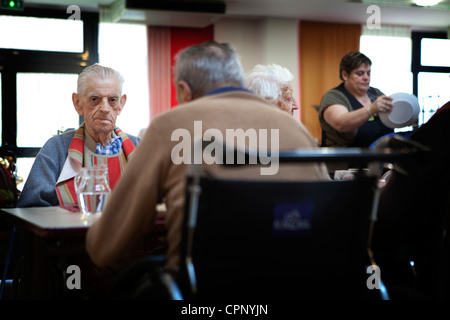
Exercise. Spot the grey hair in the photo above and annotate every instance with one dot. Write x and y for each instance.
(266, 81)
(97, 71)
(207, 66)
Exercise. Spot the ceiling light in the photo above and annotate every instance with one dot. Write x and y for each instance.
(426, 3)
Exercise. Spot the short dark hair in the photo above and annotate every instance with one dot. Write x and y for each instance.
(351, 61)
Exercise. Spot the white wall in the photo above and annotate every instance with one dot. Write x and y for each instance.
(281, 47)
(246, 36)
(263, 41)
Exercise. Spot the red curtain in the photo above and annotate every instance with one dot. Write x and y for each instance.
(181, 38)
(159, 74)
(163, 45)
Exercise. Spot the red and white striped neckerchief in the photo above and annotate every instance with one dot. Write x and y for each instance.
(65, 189)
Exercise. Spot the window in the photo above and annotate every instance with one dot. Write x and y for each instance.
(39, 74)
(130, 59)
(46, 34)
(391, 62)
(431, 71)
(390, 53)
(41, 54)
(389, 49)
(412, 62)
(45, 96)
(435, 52)
(433, 93)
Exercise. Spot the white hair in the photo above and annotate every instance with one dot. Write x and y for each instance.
(266, 81)
(97, 71)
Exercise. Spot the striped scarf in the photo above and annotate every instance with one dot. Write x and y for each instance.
(65, 190)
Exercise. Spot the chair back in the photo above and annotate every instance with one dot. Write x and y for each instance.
(276, 240)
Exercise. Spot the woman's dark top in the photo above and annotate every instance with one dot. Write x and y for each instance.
(361, 137)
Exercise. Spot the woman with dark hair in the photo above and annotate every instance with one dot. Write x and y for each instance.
(348, 114)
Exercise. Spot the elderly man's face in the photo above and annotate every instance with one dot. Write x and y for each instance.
(100, 106)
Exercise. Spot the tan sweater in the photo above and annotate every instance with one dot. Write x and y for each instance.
(151, 175)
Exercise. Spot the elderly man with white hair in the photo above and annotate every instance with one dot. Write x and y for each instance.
(97, 141)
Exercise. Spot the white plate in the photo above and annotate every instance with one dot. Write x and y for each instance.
(405, 112)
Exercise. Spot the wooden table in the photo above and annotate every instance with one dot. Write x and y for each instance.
(53, 239)
(50, 221)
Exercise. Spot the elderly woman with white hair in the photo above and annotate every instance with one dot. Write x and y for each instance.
(97, 141)
(274, 84)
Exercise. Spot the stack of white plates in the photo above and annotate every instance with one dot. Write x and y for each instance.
(405, 112)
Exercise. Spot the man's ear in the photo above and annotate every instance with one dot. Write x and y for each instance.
(184, 92)
(123, 100)
(76, 103)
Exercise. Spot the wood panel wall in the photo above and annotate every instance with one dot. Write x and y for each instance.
(322, 46)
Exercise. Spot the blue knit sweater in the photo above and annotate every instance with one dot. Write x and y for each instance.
(39, 189)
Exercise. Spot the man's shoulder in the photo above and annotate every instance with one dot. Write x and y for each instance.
(225, 96)
(133, 138)
(208, 101)
(61, 139)
(232, 94)
(58, 144)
